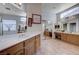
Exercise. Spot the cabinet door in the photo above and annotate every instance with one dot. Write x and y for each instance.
(76, 40)
(73, 39)
(20, 52)
(3, 53)
(37, 42)
(30, 46)
(64, 36)
(46, 33)
(12, 50)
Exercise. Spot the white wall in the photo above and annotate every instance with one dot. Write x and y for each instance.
(33, 8)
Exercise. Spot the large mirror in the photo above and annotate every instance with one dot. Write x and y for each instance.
(9, 24)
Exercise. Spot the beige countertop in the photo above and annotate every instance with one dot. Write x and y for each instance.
(10, 40)
(74, 33)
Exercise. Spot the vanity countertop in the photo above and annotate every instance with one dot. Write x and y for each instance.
(10, 40)
(74, 33)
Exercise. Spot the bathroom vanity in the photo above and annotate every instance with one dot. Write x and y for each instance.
(20, 44)
(68, 37)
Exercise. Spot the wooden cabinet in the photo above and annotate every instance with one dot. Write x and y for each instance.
(3, 52)
(48, 33)
(71, 38)
(20, 52)
(37, 42)
(13, 50)
(57, 35)
(63, 36)
(27, 47)
(30, 46)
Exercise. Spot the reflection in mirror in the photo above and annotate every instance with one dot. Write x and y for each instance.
(9, 26)
(22, 25)
(1, 26)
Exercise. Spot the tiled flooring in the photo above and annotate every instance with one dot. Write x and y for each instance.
(57, 47)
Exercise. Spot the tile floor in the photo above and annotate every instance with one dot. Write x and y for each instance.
(51, 46)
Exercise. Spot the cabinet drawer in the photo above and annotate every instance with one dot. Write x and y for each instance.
(15, 48)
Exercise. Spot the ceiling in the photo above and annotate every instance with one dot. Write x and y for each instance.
(56, 7)
(46, 7)
(8, 8)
